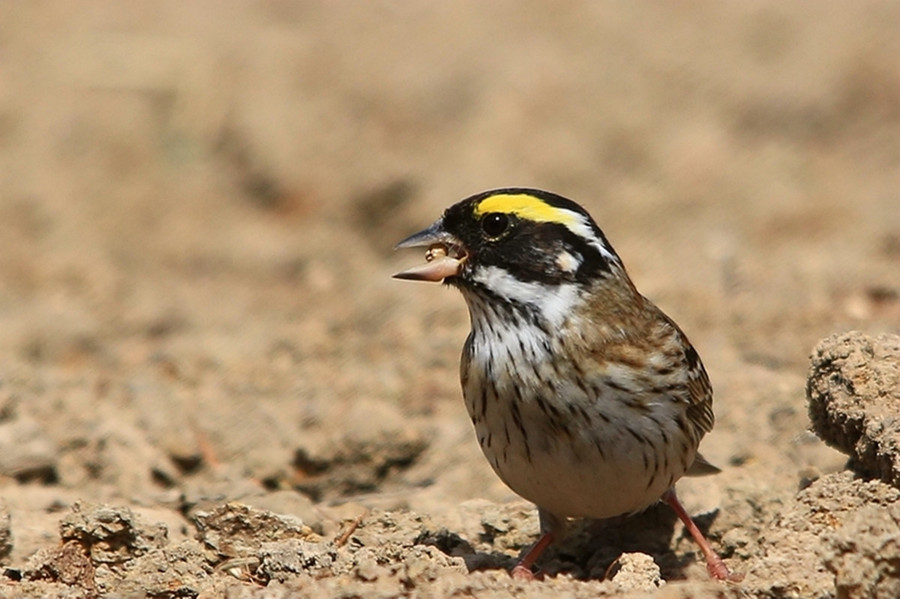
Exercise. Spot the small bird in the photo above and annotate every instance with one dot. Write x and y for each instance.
(587, 400)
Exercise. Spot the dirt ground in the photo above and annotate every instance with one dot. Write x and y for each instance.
(210, 385)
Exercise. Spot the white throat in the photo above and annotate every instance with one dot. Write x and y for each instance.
(554, 303)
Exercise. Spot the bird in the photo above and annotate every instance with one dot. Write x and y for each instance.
(587, 400)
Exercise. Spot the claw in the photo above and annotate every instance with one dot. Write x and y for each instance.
(714, 564)
(522, 570)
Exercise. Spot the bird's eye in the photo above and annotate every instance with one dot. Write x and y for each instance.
(494, 224)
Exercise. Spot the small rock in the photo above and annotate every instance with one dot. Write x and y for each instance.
(636, 572)
(98, 542)
(283, 560)
(390, 529)
(110, 535)
(854, 393)
(165, 573)
(289, 503)
(67, 564)
(238, 530)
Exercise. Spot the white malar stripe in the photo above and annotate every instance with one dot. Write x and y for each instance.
(555, 302)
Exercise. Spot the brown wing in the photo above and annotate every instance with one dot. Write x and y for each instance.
(631, 331)
(699, 388)
(658, 353)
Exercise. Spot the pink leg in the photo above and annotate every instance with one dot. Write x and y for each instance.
(522, 570)
(714, 564)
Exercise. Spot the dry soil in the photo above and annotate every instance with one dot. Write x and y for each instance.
(210, 385)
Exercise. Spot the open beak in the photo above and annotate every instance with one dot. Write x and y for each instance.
(445, 256)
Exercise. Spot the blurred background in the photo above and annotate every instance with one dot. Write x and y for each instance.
(198, 203)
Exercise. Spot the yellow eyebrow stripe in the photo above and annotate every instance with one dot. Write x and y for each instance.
(526, 207)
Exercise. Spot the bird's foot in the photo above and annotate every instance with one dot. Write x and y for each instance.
(520, 572)
(718, 570)
(714, 564)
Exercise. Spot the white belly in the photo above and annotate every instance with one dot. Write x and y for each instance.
(573, 478)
